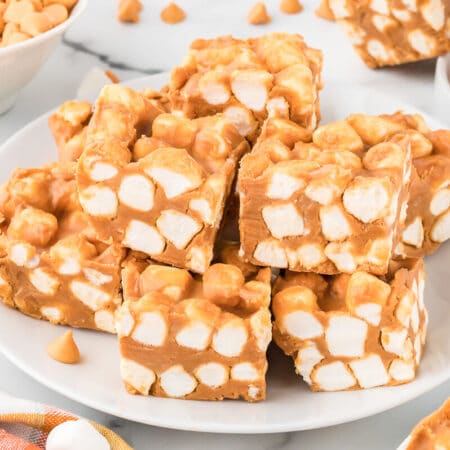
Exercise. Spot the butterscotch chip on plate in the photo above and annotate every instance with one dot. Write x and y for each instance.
(172, 14)
(431, 433)
(327, 206)
(51, 265)
(390, 32)
(291, 6)
(249, 80)
(353, 331)
(194, 337)
(164, 193)
(129, 10)
(64, 349)
(258, 14)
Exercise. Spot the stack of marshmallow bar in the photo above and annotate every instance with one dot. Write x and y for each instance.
(125, 233)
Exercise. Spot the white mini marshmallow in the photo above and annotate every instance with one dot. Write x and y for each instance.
(203, 208)
(377, 50)
(339, 8)
(104, 320)
(177, 228)
(335, 226)
(421, 42)
(102, 171)
(44, 282)
(413, 234)
(244, 372)
(23, 255)
(401, 370)
(346, 336)
(370, 371)
(124, 321)
(380, 6)
(418, 348)
(283, 220)
(197, 259)
(137, 192)
(441, 228)
(176, 382)
(253, 391)
(282, 186)
(393, 340)
(52, 313)
(70, 266)
(151, 329)
(76, 435)
(370, 312)
(434, 13)
(214, 93)
(270, 253)
(440, 202)
(195, 335)
(261, 326)
(306, 360)
(341, 256)
(310, 255)
(230, 339)
(212, 374)
(334, 376)
(144, 238)
(91, 296)
(241, 118)
(96, 277)
(173, 183)
(302, 324)
(249, 87)
(415, 318)
(99, 201)
(137, 376)
(404, 308)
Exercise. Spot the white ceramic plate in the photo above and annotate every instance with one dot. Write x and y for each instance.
(290, 405)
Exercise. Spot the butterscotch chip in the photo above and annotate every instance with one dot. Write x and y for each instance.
(290, 6)
(112, 76)
(52, 266)
(433, 432)
(128, 10)
(324, 11)
(258, 14)
(353, 331)
(172, 14)
(64, 349)
(201, 338)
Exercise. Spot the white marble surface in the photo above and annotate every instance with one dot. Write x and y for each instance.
(99, 40)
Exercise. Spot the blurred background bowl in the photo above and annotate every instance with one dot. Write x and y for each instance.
(442, 89)
(20, 62)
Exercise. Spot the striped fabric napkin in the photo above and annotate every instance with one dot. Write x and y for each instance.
(26, 425)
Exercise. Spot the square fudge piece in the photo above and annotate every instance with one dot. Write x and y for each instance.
(328, 206)
(352, 331)
(163, 194)
(390, 32)
(248, 80)
(195, 337)
(51, 265)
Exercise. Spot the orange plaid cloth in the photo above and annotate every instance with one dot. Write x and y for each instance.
(25, 425)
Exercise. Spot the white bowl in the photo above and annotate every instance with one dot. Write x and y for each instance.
(442, 89)
(20, 62)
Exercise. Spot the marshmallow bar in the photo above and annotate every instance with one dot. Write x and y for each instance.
(248, 80)
(352, 331)
(390, 32)
(51, 265)
(431, 433)
(327, 206)
(195, 337)
(164, 193)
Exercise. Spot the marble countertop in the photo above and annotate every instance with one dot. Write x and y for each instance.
(151, 47)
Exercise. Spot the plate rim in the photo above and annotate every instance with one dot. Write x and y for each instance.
(217, 427)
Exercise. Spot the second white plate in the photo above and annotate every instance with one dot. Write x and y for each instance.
(290, 405)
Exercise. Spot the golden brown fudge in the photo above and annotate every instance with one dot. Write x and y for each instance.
(164, 193)
(327, 206)
(390, 32)
(352, 331)
(249, 80)
(68, 127)
(51, 266)
(433, 432)
(195, 337)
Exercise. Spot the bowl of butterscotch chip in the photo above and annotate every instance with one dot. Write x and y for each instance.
(29, 32)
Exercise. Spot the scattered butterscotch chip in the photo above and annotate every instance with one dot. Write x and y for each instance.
(291, 6)
(64, 349)
(258, 14)
(172, 13)
(128, 10)
(324, 11)
(112, 76)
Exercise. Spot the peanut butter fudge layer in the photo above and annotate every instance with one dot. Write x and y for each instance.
(327, 206)
(248, 80)
(352, 331)
(195, 337)
(390, 32)
(51, 265)
(163, 194)
(433, 432)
